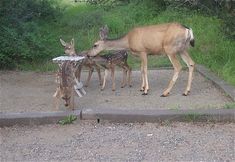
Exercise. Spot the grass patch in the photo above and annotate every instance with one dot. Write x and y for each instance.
(229, 105)
(68, 120)
(192, 117)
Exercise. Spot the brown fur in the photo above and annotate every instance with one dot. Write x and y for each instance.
(117, 58)
(65, 90)
(109, 62)
(170, 39)
(69, 49)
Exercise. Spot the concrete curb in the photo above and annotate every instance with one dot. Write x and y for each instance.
(40, 118)
(219, 83)
(34, 118)
(201, 115)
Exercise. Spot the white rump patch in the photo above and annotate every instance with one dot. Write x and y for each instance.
(189, 34)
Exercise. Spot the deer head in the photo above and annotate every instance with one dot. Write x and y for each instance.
(66, 81)
(104, 32)
(66, 94)
(100, 44)
(68, 47)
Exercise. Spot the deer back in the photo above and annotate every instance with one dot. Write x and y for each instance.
(66, 73)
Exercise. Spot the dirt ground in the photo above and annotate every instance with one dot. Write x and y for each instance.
(32, 91)
(90, 141)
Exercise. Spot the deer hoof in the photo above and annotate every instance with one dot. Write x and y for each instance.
(123, 86)
(113, 89)
(130, 86)
(85, 85)
(144, 94)
(186, 93)
(165, 95)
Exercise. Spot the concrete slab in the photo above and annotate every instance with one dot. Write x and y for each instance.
(26, 99)
(203, 95)
(228, 89)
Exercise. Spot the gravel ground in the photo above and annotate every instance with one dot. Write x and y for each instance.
(31, 91)
(90, 141)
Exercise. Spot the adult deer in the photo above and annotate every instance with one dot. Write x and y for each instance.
(170, 39)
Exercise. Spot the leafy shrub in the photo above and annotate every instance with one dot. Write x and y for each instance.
(86, 20)
(224, 10)
(21, 38)
(68, 120)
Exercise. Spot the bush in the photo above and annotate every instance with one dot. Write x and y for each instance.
(224, 10)
(21, 39)
(86, 20)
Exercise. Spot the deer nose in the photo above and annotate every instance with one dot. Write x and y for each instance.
(66, 104)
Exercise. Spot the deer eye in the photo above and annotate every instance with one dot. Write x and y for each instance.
(95, 45)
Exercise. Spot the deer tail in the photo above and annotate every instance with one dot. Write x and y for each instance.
(189, 35)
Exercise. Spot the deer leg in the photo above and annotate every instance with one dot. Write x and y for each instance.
(144, 68)
(56, 97)
(99, 74)
(124, 70)
(104, 80)
(127, 72)
(113, 78)
(78, 73)
(142, 76)
(187, 59)
(91, 69)
(71, 104)
(177, 68)
(129, 76)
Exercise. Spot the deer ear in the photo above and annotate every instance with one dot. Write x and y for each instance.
(102, 37)
(106, 29)
(62, 42)
(104, 32)
(72, 42)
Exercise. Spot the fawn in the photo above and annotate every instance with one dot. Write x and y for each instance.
(65, 90)
(87, 62)
(109, 61)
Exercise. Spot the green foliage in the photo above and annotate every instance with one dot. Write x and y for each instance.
(34, 39)
(107, 5)
(192, 117)
(21, 39)
(229, 25)
(230, 105)
(222, 9)
(68, 120)
(87, 18)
